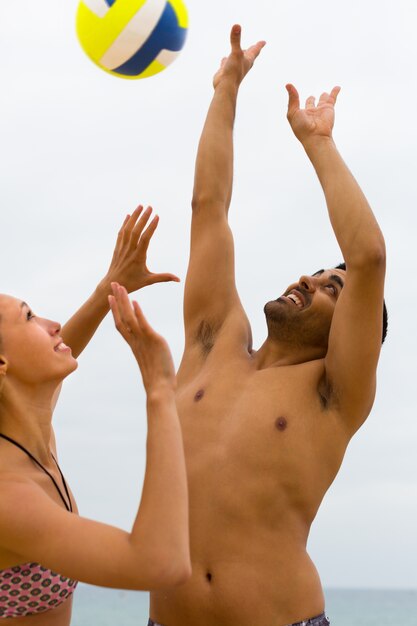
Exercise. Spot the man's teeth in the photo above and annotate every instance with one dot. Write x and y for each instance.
(295, 299)
(61, 346)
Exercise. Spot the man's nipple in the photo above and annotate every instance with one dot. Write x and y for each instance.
(281, 423)
(199, 395)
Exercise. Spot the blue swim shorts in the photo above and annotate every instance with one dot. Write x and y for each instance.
(320, 620)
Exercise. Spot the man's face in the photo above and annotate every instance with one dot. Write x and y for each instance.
(303, 314)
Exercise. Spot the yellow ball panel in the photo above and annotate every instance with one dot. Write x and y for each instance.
(87, 23)
(97, 35)
(180, 11)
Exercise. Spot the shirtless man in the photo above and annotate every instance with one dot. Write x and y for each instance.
(265, 430)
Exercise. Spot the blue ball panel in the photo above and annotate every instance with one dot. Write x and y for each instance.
(110, 2)
(166, 36)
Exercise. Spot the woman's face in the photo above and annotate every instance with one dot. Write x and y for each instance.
(31, 345)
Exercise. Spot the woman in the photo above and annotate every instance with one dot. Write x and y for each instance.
(45, 547)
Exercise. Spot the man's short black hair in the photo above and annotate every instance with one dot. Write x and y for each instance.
(342, 266)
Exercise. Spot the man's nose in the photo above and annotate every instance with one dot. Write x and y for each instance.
(308, 283)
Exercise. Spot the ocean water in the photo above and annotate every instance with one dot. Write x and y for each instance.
(94, 606)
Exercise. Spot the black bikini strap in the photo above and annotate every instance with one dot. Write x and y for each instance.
(64, 483)
(18, 445)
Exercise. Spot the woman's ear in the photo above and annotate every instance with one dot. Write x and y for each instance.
(3, 370)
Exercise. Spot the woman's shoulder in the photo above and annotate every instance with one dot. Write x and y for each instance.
(19, 497)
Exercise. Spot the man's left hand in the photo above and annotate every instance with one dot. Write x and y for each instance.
(313, 122)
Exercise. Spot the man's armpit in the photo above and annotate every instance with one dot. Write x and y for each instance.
(326, 391)
(205, 336)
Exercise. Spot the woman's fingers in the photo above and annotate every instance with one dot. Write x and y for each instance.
(120, 234)
(150, 349)
(125, 310)
(163, 278)
(116, 315)
(147, 235)
(138, 228)
(123, 313)
(130, 223)
(141, 319)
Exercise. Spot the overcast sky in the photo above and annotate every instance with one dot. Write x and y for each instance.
(79, 149)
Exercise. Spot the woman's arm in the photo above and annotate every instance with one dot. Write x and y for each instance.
(155, 554)
(128, 267)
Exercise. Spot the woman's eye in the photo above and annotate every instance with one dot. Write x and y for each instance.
(29, 315)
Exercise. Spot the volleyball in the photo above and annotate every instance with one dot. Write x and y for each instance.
(132, 38)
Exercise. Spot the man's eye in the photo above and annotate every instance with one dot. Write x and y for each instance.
(332, 288)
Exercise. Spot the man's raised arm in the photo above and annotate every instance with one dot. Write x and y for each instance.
(210, 290)
(356, 330)
(214, 165)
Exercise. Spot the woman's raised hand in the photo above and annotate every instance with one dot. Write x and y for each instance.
(150, 349)
(128, 265)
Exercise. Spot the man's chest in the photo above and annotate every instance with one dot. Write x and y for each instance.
(243, 420)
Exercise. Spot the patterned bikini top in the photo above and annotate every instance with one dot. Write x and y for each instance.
(29, 589)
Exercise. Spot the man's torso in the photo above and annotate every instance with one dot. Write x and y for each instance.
(262, 448)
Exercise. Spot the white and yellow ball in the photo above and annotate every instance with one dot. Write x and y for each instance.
(132, 38)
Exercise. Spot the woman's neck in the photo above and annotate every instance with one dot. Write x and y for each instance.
(26, 416)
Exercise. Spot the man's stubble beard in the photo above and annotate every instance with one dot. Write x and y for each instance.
(296, 329)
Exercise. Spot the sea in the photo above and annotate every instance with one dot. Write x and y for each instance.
(95, 606)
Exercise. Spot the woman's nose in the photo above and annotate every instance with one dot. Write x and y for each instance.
(55, 328)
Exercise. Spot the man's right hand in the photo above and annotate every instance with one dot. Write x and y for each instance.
(239, 62)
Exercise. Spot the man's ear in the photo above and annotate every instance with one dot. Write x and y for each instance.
(4, 364)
